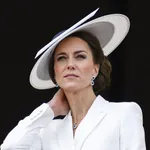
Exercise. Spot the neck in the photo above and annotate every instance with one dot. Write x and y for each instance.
(80, 102)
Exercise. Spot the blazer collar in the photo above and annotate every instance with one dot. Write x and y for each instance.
(94, 116)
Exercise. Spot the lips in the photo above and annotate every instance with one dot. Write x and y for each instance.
(70, 75)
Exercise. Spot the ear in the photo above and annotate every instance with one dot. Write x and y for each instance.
(96, 70)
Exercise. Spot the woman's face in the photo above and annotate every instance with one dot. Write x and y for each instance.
(73, 64)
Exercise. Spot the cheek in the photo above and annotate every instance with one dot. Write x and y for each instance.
(87, 70)
(58, 69)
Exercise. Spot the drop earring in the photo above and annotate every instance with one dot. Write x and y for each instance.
(57, 85)
(92, 80)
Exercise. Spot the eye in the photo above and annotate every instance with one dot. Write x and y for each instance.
(61, 58)
(80, 56)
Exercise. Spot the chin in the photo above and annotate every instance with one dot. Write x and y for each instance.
(71, 87)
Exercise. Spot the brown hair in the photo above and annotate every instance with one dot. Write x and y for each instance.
(103, 78)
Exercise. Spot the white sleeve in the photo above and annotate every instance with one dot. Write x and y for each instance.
(25, 136)
(132, 130)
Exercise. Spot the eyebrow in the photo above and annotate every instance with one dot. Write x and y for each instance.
(76, 52)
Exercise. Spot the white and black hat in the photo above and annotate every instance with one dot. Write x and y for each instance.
(110, 30)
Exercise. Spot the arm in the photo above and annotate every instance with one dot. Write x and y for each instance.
(25, 135)
(132, 130)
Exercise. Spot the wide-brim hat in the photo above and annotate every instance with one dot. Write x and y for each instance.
(110, 30)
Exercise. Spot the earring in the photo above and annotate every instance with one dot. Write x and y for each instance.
(57, 85)
(92, 80)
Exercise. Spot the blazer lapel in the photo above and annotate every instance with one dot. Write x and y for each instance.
(94, 116)
(65, 134)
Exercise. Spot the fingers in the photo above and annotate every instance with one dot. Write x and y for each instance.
(60, 93)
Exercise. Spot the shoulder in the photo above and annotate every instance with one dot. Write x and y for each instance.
(121, 108)
(126, 106)
(126, 109)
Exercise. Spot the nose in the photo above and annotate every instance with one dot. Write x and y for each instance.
(71, 64)
(70, 67)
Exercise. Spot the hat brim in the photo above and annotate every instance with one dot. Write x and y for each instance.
(110, 31)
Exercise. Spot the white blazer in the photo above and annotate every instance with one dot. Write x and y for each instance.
(106, 126)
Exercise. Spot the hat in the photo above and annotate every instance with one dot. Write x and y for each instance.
(110, 30)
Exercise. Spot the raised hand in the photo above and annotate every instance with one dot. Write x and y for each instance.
(59, 103)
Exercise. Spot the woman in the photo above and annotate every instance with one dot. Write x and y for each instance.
(76, 63)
